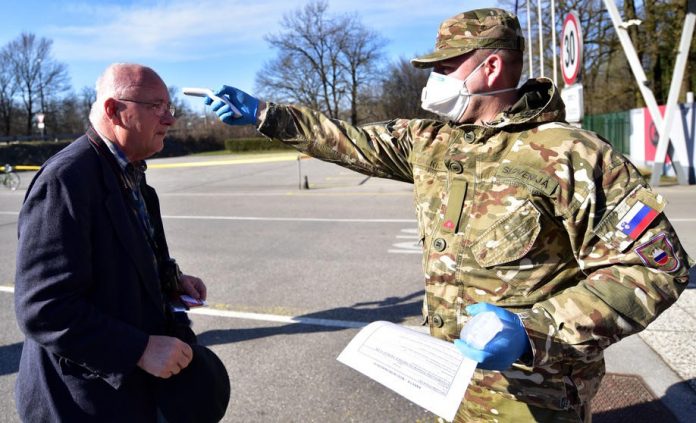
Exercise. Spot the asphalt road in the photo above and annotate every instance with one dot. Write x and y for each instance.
(340, 254)
(264, 246)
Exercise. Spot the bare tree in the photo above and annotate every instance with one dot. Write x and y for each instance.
(287, 79)
(68, 116)
(401, 91)
(605, 68)
(361, 53)
(8, 88)
(38, 76)
(323, 60)
(88, 96)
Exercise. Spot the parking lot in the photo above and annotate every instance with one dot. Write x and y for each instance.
(291, 274)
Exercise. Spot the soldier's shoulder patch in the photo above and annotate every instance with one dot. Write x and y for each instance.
(629, 219)
(658, 253)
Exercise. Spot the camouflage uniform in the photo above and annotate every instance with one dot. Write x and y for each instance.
(528, 213)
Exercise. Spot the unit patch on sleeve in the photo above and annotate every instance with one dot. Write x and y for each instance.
(658, 253)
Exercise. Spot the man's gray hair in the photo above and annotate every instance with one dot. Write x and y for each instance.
(114, 82)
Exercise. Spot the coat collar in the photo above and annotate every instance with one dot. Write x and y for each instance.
(126, 225)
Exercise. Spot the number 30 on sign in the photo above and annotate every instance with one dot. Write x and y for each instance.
(571, 48)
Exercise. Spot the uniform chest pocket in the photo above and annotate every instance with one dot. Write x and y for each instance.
(509, 238)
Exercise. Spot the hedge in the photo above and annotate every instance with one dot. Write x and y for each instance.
(31, 153)
(37, 152)
(254, 144)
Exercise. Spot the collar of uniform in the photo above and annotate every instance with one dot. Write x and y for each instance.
(539, 102)
(474, 133)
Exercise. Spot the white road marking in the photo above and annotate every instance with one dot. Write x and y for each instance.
(277, 318)
(407, 247)
(311, 219)
(259, 316)
(304, 193)
(269, 219)
(405, 251)
(289, 219)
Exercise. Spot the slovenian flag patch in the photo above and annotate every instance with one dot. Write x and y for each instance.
(636, 220)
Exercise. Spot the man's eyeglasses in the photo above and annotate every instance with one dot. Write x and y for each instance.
(159, 107)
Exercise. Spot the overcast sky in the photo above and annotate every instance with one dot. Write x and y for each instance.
(202, 42)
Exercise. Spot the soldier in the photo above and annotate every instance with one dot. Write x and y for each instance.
(520, 214)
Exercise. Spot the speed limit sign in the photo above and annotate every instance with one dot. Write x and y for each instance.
(571, 48)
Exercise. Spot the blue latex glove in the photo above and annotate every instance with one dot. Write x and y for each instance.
(507, 346)
(246, 104)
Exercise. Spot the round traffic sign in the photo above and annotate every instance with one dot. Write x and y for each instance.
(571, 48)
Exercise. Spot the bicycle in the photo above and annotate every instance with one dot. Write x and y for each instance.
(10, 179)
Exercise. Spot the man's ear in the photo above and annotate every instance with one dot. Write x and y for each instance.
(111, 111)
(493, 69)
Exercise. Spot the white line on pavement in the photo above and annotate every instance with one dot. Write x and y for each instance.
(290, 219)
(277, 318)
(270, 219)
(306, 193)
(259, 316)
(301, 219)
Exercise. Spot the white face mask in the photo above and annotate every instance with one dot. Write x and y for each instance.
(448, 96)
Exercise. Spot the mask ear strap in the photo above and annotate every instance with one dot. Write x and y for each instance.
(496, 91)
(480, 65)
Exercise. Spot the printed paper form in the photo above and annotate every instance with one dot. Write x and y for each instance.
(427, 371)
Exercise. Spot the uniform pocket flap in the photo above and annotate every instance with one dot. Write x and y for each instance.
(509, 238)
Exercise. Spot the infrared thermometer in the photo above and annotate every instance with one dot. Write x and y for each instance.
(207, 92)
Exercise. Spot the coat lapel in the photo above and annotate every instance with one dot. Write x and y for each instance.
(129, 232)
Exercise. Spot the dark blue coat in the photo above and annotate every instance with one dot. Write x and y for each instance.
(87, 295)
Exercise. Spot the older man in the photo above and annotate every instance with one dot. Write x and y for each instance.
(521, 215)
(94, 276)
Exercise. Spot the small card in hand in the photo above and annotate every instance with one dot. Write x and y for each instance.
(191, 302)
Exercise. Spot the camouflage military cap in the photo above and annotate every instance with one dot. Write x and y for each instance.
(481, 28)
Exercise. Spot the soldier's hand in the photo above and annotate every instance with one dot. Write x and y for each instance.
(507, 344)
(165, 356)
(247, 105)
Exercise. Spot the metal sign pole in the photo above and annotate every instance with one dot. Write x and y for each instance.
(641, 79)
(674, 88)
(553, 39)
(529, 44)
(541, 40)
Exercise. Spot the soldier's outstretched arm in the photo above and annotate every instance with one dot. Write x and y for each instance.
(380, 149)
